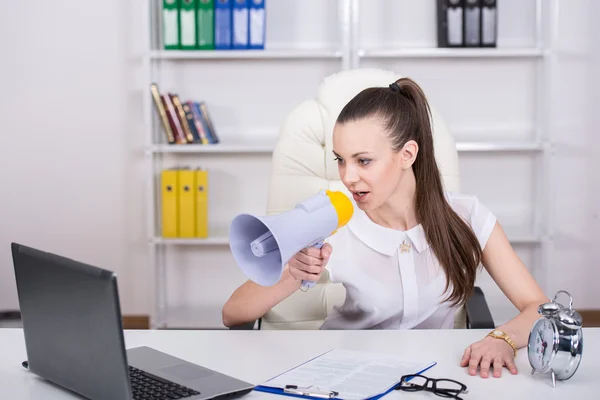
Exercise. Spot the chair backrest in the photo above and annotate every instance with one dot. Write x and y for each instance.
(303, 164)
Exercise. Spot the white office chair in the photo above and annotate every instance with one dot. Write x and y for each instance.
(303, 163)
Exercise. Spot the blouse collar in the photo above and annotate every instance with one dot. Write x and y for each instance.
(382, 239)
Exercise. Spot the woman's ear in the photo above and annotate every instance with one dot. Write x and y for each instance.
(408, 154)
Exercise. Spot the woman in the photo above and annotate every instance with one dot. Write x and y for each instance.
(410, 254)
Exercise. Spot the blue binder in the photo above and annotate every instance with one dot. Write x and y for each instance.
(240, 19)
(309, 393)
(223, 24)
(257, 24)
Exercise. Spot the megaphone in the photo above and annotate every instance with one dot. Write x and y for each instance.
(262, 246)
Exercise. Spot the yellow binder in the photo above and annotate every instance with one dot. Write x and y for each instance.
(169, 203)
(187, 212)
(201, 203)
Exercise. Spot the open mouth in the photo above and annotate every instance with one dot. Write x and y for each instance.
(359, 196)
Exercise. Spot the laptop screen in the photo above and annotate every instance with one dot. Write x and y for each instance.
(72, 323)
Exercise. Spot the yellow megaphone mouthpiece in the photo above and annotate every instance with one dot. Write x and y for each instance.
(343, 206)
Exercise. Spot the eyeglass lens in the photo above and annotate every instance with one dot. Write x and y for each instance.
(441, 387)
(445, 384)
(415, 383)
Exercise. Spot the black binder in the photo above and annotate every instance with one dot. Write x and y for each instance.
(450, 26)
(472, 23)
(489, 23)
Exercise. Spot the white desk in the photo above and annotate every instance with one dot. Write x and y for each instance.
(256, 356)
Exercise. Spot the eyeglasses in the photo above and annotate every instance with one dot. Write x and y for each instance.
(442, 387)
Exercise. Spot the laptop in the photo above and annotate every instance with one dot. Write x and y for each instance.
(74, 337)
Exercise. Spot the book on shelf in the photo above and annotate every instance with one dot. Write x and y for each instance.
(184, 203)
(183, 122)
(213, 24)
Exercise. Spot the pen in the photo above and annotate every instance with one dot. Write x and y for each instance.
(293, 389)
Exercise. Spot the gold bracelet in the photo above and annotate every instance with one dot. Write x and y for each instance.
(498, 334)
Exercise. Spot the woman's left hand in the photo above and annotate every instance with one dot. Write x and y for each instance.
(486, 353)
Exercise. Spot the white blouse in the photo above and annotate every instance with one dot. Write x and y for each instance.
(392, 279)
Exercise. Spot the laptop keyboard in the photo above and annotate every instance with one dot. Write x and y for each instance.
(148, 386)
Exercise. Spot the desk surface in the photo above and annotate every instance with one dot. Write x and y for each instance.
(260, 355)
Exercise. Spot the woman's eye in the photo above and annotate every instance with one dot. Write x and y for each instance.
(339, 160)
(364, 161)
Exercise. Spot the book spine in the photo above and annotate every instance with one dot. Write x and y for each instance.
(200, 124)
(173, 120)
(209, 124)
(189, 116)
(182, 120)
(162, 113)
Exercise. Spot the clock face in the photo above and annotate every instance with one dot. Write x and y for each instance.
(541, 344)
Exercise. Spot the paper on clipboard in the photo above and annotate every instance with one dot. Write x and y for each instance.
(352, 374)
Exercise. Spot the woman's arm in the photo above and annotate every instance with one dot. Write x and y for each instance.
(251, 301)
(516, 282)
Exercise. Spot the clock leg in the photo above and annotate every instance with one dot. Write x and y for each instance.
(553, 379)
(532, 371)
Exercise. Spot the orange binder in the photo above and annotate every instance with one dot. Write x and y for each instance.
(187, 212)
(169, 203)
(201, 203)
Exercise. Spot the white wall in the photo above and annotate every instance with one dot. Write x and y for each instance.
(70, 139)
(594, 144)
(588, 268)
(576, 178)
(73, 136)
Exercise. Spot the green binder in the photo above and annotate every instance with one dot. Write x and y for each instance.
(206, 24)
(187, 24)
(170, 24)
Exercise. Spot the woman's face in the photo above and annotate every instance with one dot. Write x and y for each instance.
(368, 166)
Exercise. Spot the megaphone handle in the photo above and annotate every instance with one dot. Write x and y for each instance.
(308, 284)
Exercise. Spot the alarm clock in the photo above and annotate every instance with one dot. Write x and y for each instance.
(555, 342)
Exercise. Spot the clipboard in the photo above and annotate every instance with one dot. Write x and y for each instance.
(283, 384)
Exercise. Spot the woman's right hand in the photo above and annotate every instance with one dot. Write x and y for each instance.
(251, 301)
(308, 263)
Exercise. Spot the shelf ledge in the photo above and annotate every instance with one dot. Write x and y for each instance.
(436, 52)
(219, 240)
(499, 147)
(224, 241)
(268, 147)
(244, 54)
(242, 147)
(193, 317)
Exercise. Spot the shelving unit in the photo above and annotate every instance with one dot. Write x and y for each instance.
(243, 145)
(349, 55)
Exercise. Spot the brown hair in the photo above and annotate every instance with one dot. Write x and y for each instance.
(405, 113)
